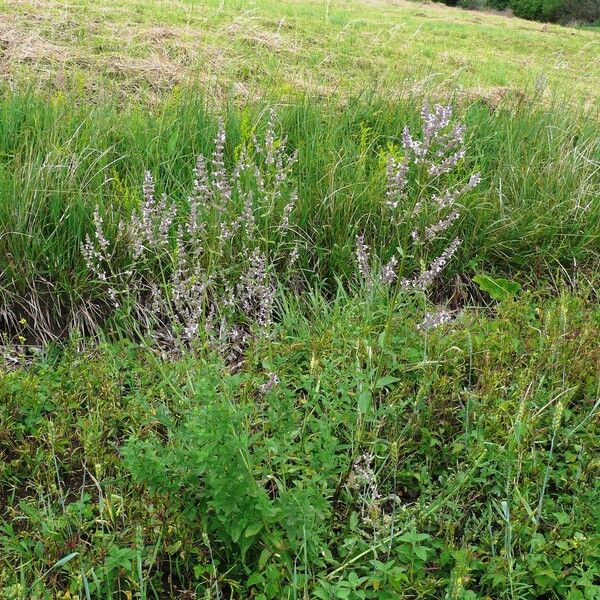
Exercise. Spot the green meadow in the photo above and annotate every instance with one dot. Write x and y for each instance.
(297, 300)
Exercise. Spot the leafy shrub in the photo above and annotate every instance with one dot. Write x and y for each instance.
(537, 10)
(587, 11)
(218, 473)
(479, 4)
(474, 4)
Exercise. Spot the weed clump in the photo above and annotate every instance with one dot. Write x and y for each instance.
(208, 271)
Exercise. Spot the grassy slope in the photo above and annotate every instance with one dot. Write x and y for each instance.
(125, 475)
(284, 46)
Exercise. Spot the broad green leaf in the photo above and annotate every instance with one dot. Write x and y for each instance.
(264, 557)
(386, 381)
(498, 288)
(364, 401)
(413, 537)
(254, 579)
(252, 529)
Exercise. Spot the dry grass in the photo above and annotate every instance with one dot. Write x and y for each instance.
(283, 47)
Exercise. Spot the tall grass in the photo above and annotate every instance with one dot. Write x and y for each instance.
(535, 213)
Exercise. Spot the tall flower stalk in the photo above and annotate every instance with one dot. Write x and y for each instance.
(203, 271)
(202, 267)
(422, 199)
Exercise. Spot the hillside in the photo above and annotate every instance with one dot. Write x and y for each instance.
(338, 46)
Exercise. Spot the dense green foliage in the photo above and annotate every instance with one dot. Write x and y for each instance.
(253, 374)
(483, 4)
(534, 214)
(587, 11)
(583, 11)
(538, 10)
(462, 464)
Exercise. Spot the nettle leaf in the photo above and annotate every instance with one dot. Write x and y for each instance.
(252, 529)
(498, 288)
(413, 537)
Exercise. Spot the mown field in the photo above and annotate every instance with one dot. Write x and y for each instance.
(255, 48)
(297, 300)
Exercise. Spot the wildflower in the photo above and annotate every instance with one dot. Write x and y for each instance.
(287, 211)
(166, 215)
(270, 139)
(151, 225)
(411, 145)
(447, 164)
(228, 297)
(112, 295)
(256, 291)
(364, 473)
(271, 382)
(188, 291)
(100, 237)
(441, 225)
(388, 272)
(396, 181)
(425, 279)
(247, 216)
(294, 255)
(221, 186)
(198, 199)
(362, 258)
(148, 188)
(433, 320)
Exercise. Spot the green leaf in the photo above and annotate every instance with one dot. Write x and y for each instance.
(172, 142)
(413, 537)
(59, 563)
(252, 529)
(498, 288)
(254, 579)
(386, 381)
(264, 557)
(364, 401)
